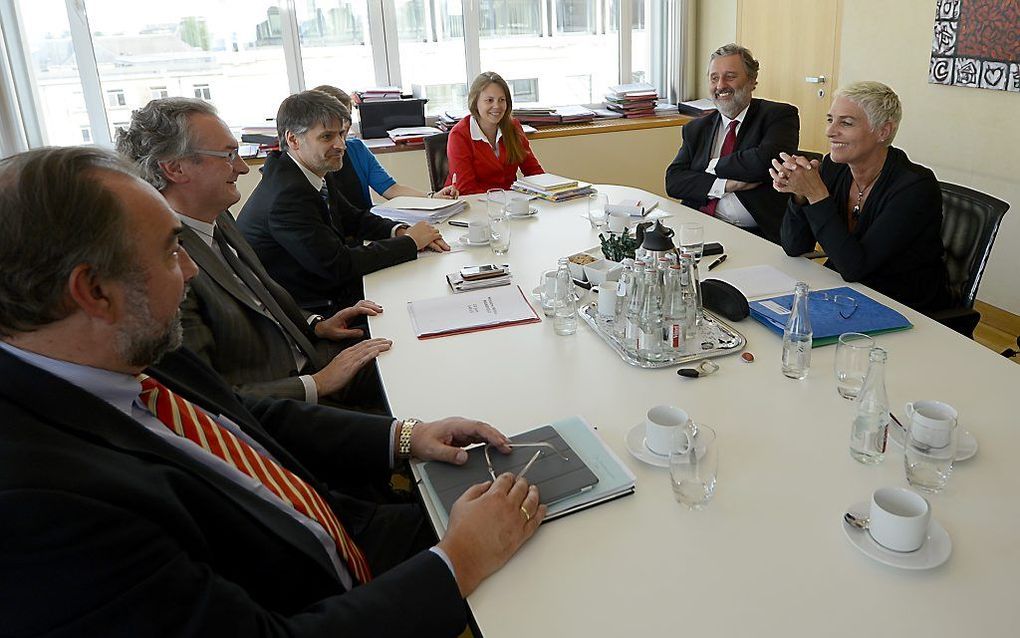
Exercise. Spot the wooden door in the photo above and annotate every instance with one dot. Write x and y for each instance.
(797, 44)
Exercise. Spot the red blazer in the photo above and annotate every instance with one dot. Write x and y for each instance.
(477, 167)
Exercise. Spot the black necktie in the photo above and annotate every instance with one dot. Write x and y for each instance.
(250, 279)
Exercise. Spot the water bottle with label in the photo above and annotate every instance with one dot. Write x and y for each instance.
(797, 336)
(650, 321)
(624, 288)
(674, 312)
(632, 328)
(871, 424)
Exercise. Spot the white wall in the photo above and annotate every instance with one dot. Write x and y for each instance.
(967, 136)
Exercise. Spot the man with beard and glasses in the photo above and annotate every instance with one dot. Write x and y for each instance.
(722, 167)
(292, 219)
(145, 498)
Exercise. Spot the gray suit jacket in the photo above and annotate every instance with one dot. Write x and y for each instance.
(231, 333)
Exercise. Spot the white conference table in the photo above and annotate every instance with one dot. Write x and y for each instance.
(768, 555)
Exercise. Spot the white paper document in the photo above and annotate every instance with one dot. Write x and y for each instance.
(475, 310)
(756, 281)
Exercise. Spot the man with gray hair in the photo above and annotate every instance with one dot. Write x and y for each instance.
(288, 219)
(722, 167)
(237, 319)
(148, 499)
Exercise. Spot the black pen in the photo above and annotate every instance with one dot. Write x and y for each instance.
(454, 222)
(715, 263)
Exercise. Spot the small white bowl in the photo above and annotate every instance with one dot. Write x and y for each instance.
(577, 270)
(602, 271)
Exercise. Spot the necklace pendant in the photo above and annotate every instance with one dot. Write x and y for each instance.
(856, 212)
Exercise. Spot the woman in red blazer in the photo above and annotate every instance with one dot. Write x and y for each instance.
(486, 148)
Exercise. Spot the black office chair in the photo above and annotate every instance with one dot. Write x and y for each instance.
(436, 160)
(970, 221)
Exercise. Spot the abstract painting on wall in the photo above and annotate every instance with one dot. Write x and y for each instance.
(976, 44)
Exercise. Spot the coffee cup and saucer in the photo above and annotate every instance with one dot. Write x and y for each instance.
(896, 528)
(520, 208)
(477, 235)
(934, 415)
(650, 440)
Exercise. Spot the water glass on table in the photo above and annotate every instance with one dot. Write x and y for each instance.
(692, 239)
(597, 203)
(851, 363)
(929, 444)
(499, 220)
(694, 465)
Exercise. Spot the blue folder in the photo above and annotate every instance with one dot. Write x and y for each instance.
(828, 319)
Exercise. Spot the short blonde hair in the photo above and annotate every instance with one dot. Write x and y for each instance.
(880, 104)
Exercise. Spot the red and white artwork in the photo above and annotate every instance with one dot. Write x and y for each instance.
(976, 43)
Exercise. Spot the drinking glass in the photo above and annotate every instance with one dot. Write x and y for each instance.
(692, 239)
(499, 232)
(495, 202)
(851, 364)
(597, 210)
(928, 453)
(547, 291)
(693, 465)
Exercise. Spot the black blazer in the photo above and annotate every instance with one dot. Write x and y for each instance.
(288, 224)
(768, 128)
(231, 333)
(349, 210)
(106, 530)
(897, 245)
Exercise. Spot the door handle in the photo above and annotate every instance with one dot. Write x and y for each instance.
(815, 79)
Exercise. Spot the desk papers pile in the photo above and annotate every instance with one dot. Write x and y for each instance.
(411, 210)
(552, 188)
(470, 311)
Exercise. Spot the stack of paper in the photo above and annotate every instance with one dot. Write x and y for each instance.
(412, 210)
(471, 311)
(412, 134)
(575, 114)
(459, 284)
(533, 113)
(632, 100)
(448, 119)
(378, 94)
(552, 188)
(697, 108)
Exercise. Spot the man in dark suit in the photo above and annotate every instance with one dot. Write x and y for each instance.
(722, 167)
(142, 501)
(292, 220)
(237, 319)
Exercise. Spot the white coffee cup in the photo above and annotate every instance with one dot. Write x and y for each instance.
(660, 424)
(607, 299)
(934, 421)
(478, 231)
(899, 518)
(618, 222)
(518, 206)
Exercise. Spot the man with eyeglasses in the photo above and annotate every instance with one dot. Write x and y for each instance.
(240, 321)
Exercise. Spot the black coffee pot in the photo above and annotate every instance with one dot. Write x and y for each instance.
(655, 239)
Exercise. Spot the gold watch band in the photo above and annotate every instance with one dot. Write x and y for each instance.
(404, 439)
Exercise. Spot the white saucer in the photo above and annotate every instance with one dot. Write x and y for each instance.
(966, 443)
(936, 548)
(635, 440)
(463, 239)
(531, 212)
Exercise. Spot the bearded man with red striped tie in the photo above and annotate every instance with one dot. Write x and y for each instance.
(150, 500)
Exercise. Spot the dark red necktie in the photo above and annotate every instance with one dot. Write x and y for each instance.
(729, 143)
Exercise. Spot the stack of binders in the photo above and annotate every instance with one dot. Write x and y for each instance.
(552, 188)
(632, 100)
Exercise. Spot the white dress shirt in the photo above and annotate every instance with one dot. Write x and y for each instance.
(729, 209)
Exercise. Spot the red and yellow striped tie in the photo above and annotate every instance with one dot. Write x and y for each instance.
(182, 416)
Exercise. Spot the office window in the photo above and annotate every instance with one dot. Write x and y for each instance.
(510, 17)
(436, 58)
(115, 99)
(336, 45)
(524, 90)
(158, 92)
(202, 92)
(575, 16)
(188, 46)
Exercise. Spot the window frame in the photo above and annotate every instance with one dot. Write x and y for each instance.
(20, 117)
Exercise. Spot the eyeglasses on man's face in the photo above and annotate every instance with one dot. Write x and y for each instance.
(231, 156)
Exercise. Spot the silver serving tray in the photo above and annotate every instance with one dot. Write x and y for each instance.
(717, 339)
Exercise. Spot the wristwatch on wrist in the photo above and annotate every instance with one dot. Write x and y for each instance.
(313, 321)
(404, 438)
